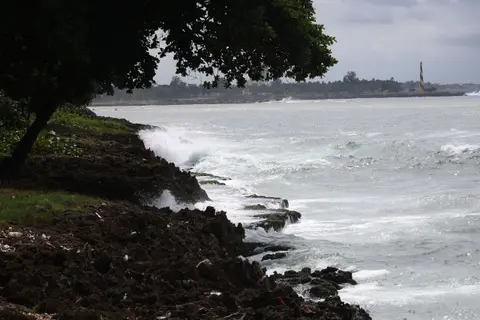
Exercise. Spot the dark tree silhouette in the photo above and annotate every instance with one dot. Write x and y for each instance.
(57, 52)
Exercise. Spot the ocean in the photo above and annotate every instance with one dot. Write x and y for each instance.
(388, 189)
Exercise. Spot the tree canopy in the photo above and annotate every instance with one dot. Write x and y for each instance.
(55, 52)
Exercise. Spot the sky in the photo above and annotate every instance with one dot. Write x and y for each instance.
(388, 38)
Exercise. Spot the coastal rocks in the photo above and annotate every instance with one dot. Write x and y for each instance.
(272, 219)
(112, 166)
(213, 182)
(335, 275)
(323, 289)
(256, 207)
(276, 219)
(180, 266)
(252, 248)
(256, 196)
(274, 256)
(208, 176)
(324, 283)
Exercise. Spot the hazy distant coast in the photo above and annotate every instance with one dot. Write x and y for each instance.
(259, 98)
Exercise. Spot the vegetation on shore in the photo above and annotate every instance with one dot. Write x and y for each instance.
(50, 140)
(32, 207)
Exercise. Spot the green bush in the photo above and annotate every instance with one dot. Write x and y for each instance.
(12, 115)
(67, 117)
(77, 110)
(48, 143)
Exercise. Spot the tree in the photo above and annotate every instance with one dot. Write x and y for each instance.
(350, 77)
(57, 52)
(177, 82)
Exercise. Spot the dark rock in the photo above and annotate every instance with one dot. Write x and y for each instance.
(255, 196)
(256, 207)
(252, 248)
(214, 182)
(319, 282)
(335, 275)
(323, 290)
(277, 219)
(290, 274)
(284, 204)
(306, 271)
(275, 256)
(208, 175)
(278, 248)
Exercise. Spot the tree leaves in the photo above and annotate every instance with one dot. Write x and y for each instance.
(69, 51)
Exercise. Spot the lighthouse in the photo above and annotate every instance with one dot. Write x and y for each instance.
(422, 84)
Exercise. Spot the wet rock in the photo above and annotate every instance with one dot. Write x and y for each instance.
(208, 175)
(294, 278)
(306, 271)
(278, 248)
(284, 204)
(275, 256)
(213, 182)
(334, 275)
(277, 219)
(256, 207)
(255, 196)
(323, 289)
(320, 282)
(252, 248)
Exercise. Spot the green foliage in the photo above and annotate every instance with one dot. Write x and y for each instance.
(83, 120)
(48, 143)
(263, 40)
(12, 115)
(33, 207)
(77, 110)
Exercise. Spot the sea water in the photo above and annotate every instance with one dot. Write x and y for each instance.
(388, 188)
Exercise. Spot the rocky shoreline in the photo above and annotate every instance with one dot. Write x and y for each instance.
(119, 258)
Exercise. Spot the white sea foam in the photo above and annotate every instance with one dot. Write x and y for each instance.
(456, 149)
(166, 199)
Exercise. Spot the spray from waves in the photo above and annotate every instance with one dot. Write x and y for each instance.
(174, 147)
(453, 150)
(473, 94)
(167, 199)
(210, 157)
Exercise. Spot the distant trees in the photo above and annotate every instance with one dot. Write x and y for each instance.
(351, 85)
(350, 77)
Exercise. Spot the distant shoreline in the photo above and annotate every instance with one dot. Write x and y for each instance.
(267, 98)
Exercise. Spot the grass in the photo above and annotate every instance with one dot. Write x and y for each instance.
(51, 143)
(28, 208)
(93, 124)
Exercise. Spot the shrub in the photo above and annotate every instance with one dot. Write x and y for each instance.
(13, 114)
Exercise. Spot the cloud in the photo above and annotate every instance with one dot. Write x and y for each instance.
(388, 38)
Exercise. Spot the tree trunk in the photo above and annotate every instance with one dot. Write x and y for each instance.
(11, 166)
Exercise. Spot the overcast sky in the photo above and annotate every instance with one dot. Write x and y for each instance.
(388, 38)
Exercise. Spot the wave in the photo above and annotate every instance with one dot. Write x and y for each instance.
(173, 146)
(453, 150)
(473, 94)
